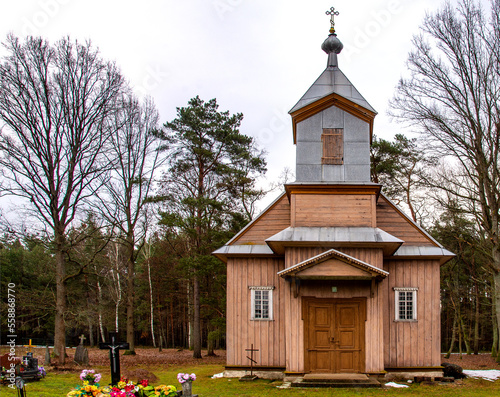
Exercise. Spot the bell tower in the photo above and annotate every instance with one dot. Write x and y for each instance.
(332, 125)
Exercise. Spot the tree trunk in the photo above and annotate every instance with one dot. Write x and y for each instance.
(130, 296)
(459, 323)
(496, 296)
(190, 316)
(453, 337)
(91, 332)
(118, 287)
(172, 335)
(196, 318)
(466, 337)
(476, 324)
(151, 297)
(61, 303)
(494, 345)
(99, 309)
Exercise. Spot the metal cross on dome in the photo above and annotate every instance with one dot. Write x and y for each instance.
(332, 14)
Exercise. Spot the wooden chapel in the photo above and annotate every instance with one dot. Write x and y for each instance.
(333, 277)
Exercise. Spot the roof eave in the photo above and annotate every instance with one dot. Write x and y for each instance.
(327, 101)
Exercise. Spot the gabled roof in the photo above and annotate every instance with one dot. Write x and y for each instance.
(332, 80)
(332, 88)
(254, 222)
(410, 221)
(360, 269)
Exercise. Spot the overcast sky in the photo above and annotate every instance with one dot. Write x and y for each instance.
(257, 57)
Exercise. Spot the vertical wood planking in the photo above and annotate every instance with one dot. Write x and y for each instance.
(267, 336)
(414, 344)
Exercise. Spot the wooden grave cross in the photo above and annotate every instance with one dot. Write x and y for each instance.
(114, 355)
(82, 338)
(29, 346)
(252, 361)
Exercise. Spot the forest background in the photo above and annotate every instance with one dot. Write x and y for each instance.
(125, 212)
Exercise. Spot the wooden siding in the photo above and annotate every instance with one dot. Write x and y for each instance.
(271, 222)
(330, 210)
(374, 358)
(415, 343)
(267, 336)
(391, 221)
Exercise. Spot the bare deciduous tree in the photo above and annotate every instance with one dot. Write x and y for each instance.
(57, 103)
(453, 98)
(134, 149)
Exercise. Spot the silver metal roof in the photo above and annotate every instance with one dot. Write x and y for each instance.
(332, 80)
(408, 251)
(242, 250)
(334, 236)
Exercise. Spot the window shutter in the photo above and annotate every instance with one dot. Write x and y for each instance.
(333, 146)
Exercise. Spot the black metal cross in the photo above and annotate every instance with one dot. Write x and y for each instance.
(332, 14)
(252, 361)
(114, 355)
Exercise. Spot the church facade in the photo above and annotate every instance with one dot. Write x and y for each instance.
(333, 277)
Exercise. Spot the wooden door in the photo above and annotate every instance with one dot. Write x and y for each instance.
(334, 335)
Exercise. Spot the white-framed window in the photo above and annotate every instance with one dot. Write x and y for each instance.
(262, 303)
(406, 304)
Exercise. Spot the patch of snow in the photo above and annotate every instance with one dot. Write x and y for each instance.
(221, 375)
(392, 384)
(488, 374)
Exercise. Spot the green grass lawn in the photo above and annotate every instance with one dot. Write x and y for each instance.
(59, 384)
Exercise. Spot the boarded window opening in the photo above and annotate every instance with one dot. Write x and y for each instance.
(333, 146)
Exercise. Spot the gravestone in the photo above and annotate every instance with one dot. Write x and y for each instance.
(47, 355)
(6, 360)
(81, 353)
(114, 355)
(28, 369)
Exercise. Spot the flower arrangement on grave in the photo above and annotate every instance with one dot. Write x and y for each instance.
(161, 391)
(89, 390)
(42, 372)
(3, 376)
(90, 376)
(124, 388)
(90, 385)
(182, 378)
